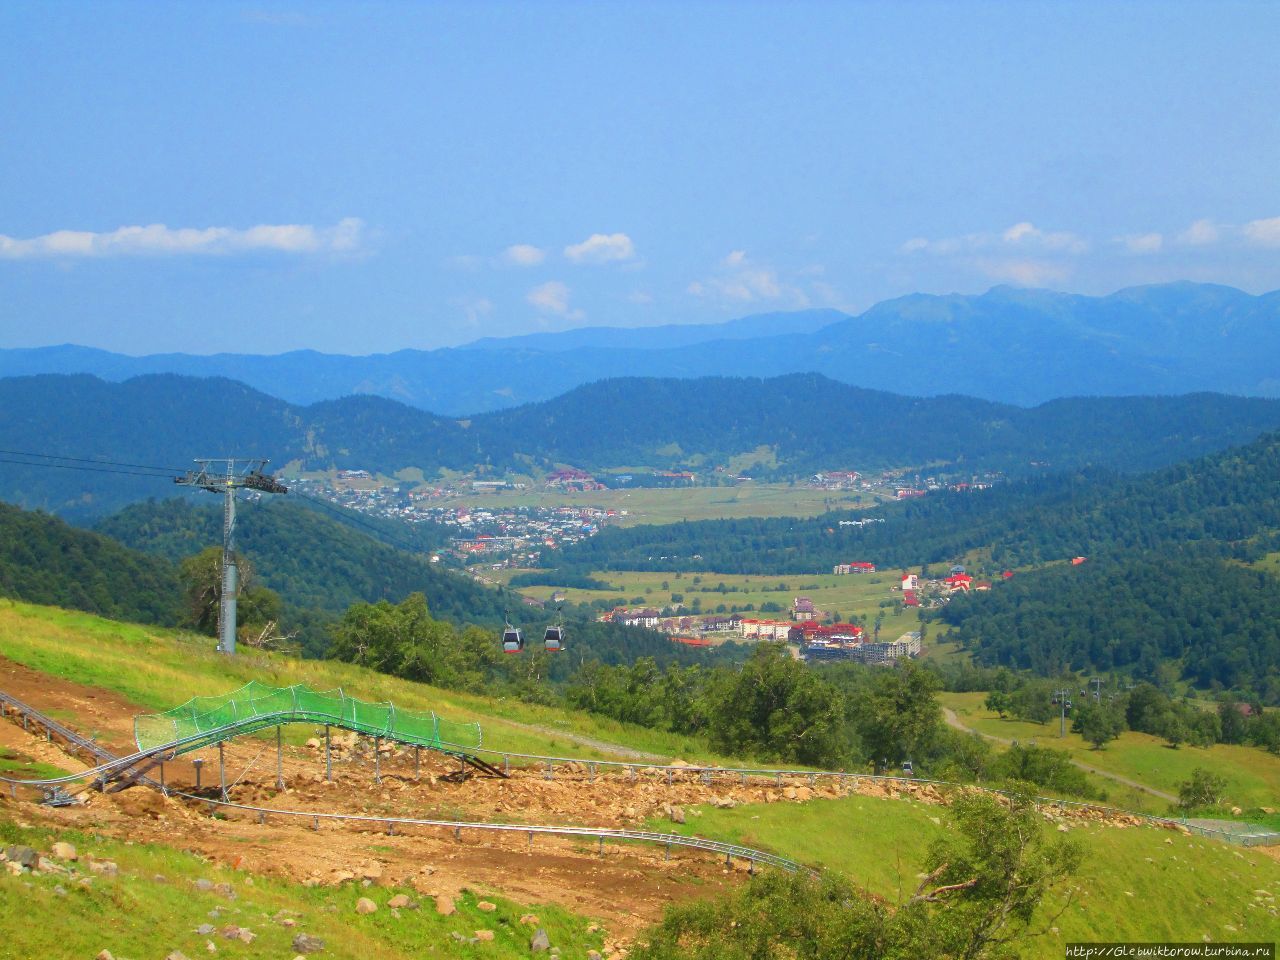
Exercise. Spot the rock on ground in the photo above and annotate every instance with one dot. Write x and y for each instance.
(63, 851)
(540, 942)
(365, 905)
(305, 943)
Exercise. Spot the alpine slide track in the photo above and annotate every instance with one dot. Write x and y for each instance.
(206, 722)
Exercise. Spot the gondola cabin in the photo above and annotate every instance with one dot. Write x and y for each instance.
(553, 639)
(512, 640)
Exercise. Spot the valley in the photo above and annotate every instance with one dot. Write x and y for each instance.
(639, 481)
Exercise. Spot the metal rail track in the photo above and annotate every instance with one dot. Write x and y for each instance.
(118, 766)
(113, 766)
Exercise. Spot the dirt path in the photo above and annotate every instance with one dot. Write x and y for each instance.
(954, 721)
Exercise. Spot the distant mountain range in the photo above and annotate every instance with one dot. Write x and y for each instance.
(779, 428)
(1010, 345)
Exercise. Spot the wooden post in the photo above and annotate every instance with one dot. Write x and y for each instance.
(417, 763)
(377, 760)
(279, 759)
(328, 756)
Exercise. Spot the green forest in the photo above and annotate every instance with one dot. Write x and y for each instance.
(803, 423)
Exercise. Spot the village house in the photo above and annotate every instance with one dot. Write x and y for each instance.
(752, 628)
(857, 566)
(802, 610)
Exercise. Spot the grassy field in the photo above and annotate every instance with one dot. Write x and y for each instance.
(1252, 775)
(659, 505)
(159, 668)
(852, 595)
(1135, 884)
(151, 908)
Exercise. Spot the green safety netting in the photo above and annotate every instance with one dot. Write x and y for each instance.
(205, 720)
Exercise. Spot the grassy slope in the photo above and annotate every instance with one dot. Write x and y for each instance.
(876, 841)
(159, 668)
(135, 915)
(1253, 775)
(881, 844)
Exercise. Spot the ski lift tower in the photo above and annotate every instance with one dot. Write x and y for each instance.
(226, 476)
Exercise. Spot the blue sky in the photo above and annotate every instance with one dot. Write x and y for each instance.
(361, 178)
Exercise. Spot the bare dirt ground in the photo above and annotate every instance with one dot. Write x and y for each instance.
(627, 887)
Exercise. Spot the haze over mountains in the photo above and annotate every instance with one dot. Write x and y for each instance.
(1011, 345)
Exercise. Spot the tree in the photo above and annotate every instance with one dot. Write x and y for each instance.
(1001, 701)
(1098, 723)
(403, 639)
(1174, 731)
(1204, 789)
(775, 706)
(988, 877)
(201, 577)
(898, 714)
(1233, 724)
(982, 890)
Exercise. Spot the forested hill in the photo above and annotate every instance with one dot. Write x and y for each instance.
(804, 423)
(1227, 503)
(43, 560)
(314, 561)
(1165, 581)
(785, 427)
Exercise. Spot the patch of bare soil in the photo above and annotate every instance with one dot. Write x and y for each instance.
(628, 886)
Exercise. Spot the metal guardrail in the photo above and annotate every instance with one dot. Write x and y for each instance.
(730, 850)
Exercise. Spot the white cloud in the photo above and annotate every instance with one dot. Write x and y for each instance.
(1029, 235)
(739, 279)
(1024, 236)
(553, 297)
(640, 296)
(160, 240)
(523, 255)
(601, 248)
(1200, 233)
(1264, 233)
(1142, 242)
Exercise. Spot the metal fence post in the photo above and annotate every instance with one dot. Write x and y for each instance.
(328, 756)
(377, 760)
(222, 770)
(279, 759)
(417, 763)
